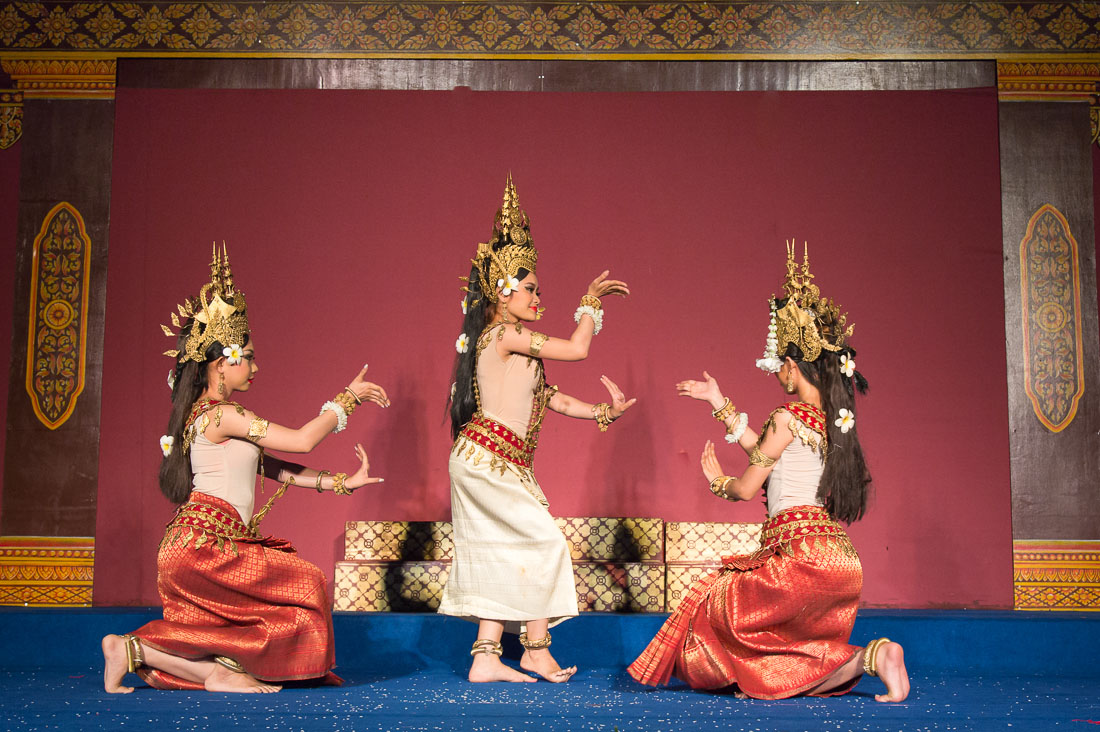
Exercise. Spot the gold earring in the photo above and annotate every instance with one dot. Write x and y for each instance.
(221, 383)
(790, 384)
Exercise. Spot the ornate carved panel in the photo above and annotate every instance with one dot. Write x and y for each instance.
(814, 28)
(1047, 82)
(1056, 575)
(62, 78)
(46, 571)
(11, 117)
(1051, 304)
(58, 328)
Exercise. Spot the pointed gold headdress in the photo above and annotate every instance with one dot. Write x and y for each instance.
(219, 313)
(811, 322)
(508, 250)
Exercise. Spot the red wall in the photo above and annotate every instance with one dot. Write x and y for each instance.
(9, 212)
(351, 215)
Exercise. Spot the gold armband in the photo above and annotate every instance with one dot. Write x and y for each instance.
(538, 340)
(758, 458)
(591, 301)
(321, 474)
(257, 429)
(338, 485)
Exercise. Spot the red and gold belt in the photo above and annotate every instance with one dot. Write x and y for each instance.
(499, 440)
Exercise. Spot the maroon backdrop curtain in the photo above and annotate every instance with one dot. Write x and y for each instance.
(9, 215)
(351, 215)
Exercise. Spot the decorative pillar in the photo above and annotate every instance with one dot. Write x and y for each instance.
(47, 521)
(1047, 211)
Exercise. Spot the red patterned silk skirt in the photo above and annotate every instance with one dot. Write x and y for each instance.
(774, 623)
(229, 593)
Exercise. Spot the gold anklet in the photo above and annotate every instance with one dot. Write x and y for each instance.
(229, 663)
(135, 654)
(534, 645)
(869, 666)
(485, 645)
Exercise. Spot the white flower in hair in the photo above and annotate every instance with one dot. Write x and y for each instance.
(166, 442)
(172, 379)
(464, 305)
(847, 366)
(462, 344)
(845, 421)
(233, 354)
(508, 286)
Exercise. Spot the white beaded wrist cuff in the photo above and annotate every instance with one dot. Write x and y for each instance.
(742, 424)
(341, 415)
(596, 315)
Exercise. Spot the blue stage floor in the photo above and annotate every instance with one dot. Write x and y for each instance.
(408, 673)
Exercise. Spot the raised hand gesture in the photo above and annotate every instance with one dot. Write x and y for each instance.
(619, 402)
(706, 390)
(365, 391)
(602, 286)
(361, 477)
(711, 467)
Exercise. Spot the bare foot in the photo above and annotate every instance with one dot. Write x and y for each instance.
(489, 667)
(542, 663)
(222, 679)
(114, 665)
(891, 669)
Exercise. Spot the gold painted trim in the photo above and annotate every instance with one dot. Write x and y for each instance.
(636, 30)
(1056, 575)
(1034, 81)
(62, 76)
(46, 571)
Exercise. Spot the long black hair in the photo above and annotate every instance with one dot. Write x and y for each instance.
(479, 311)
(191, 380)
(846, 482)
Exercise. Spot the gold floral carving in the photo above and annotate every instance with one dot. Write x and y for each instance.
(46, 571)
(56, 336)
(807, 28)
(61, 78)
(1047, 82)
(1056, 575)
(1051, 305)
(11, 117)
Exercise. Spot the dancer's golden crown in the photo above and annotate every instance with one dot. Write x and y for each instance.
(804, 318)
(222, 318)
(510, 247)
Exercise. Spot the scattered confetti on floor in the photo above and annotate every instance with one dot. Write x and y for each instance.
(600, 700)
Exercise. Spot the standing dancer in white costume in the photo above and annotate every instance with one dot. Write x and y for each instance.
(512, 570)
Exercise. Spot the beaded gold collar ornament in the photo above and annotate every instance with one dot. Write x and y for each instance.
(811, 322)
(219, 314)
(508, 250)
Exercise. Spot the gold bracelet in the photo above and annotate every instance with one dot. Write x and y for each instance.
(346, 402)
(758, 458)
(591, 301)
(338, 484)
(725, 411)
(353, 395)
(321, 474)
(718, 486)
(600, 412)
